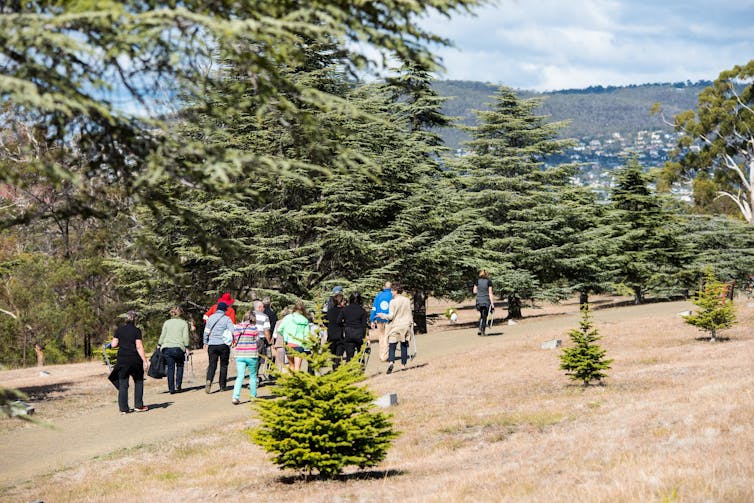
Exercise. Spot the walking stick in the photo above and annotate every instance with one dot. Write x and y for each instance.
(107, 358)
(190, 360)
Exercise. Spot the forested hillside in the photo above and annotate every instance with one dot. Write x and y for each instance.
(592, 112)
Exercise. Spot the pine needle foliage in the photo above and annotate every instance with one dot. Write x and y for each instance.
(585, 361)
(322, 422)
(716, 312)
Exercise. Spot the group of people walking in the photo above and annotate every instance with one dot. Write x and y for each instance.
(259, 337)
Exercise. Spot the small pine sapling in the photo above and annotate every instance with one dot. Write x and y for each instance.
(716, 311)
(586, 360)
(322, 421)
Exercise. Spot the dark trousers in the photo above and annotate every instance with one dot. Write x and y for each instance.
(174, 357)
(337, 348)
(483, 312)
(391, 352)
(133, 369)
(221, 351)
(351, 345)
(353, 341)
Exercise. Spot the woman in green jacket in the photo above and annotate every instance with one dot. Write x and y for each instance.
(174, 341)
(295, 330)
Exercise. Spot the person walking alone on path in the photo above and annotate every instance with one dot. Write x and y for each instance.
(131, 362)
(174, 342)
(353, 318)
(216, 347)
(381, 305)
(401, 326)
(483, 291)
(245, 338)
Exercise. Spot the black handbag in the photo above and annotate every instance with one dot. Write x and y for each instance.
(158, 367)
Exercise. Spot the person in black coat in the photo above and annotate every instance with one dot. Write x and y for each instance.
(131, 363)
(354, 320)
(333, 308)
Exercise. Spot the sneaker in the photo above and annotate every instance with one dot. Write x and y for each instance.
(124, 412)
(141, 409)
(207, 387)
(389, 369)
(235, 401)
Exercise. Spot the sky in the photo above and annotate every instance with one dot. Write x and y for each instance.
(547, 45)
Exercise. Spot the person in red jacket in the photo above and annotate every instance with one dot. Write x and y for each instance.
(230, 312)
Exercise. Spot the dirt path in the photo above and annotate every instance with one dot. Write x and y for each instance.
(100, 430)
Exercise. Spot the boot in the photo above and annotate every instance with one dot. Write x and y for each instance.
(207, 387)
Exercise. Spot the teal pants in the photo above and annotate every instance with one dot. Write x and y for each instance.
(241, 365)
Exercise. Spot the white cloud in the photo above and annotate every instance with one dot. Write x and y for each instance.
(550, 44)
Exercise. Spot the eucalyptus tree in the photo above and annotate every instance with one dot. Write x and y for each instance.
(716, 148)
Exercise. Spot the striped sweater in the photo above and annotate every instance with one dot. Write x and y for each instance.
(245, 340)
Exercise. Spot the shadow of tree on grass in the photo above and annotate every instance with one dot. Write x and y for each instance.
(343, 477)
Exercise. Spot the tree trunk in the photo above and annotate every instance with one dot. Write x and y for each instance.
(583, 297)
(88, 346)
(638, 295)
(514, 308)
(40, 355)
(420, 311)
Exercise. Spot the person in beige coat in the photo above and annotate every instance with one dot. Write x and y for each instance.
(400, 328)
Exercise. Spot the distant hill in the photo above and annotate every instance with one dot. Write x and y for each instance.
(594, 112)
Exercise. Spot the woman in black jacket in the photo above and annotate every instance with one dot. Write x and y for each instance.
(355, 320)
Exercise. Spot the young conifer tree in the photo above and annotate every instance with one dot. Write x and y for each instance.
(585, 361)
(322, 423)
(716, 312)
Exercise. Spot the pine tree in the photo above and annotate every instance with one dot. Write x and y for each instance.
(648, 252)
(585, 361)
(514, 200)
(322, 422)
(716, 311)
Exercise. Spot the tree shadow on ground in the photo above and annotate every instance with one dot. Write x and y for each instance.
(707, 338)
(46, 391)
(344, 477)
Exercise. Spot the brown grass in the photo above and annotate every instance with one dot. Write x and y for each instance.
(497, 423)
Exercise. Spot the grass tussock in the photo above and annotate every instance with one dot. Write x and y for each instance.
(499, 422)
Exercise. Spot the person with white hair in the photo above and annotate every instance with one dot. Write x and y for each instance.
(265, 334)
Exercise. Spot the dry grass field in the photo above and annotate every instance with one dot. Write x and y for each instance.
(489, 419)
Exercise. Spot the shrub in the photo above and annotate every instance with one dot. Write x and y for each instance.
(321, 421)
(586, 360)
(716, 312)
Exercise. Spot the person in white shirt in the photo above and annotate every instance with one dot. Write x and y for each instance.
(265, 335)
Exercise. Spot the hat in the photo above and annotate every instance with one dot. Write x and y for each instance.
(227, 299)
(222, 306)
(337, 290)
